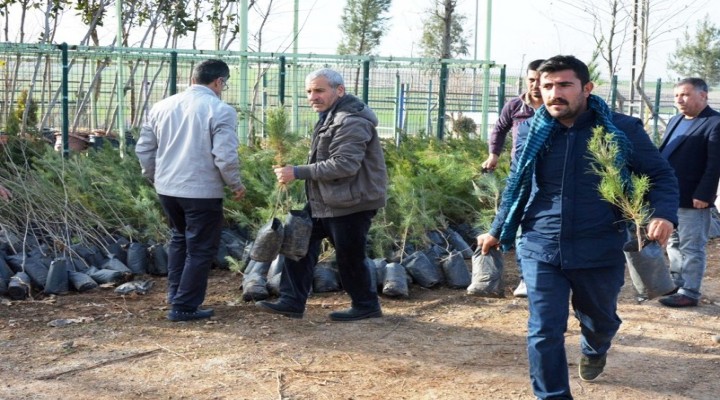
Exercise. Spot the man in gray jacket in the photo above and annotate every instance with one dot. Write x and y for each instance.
(188, 149)
(345, 182)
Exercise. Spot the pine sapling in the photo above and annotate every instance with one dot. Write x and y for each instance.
(631, 199)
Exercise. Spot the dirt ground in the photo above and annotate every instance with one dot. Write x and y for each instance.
(437, 344)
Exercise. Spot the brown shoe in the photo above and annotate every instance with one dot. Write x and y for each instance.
(678, 300)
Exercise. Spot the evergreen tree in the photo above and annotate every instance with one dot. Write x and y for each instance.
(443, 34)
(363, 25)
(699, 56)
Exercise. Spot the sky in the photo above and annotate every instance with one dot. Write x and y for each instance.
(521, 30)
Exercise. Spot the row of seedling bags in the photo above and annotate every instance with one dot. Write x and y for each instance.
(85, 267)
(428, 268)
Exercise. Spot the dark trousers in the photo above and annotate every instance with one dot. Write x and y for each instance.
(348, 234)
(196, 226)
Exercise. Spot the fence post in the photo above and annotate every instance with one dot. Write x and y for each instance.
(366, 82)
(613, 93)
(173, 72)
(501, 90)
(656, 111)
(428, 113)
(396, 118)
(441, 100)
(65, 112)
(281, 82)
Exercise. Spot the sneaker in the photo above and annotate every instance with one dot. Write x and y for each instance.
(678, 300)
(177, 315)
(591, 367)
(354, 314)
(279, 308)
(521, 290)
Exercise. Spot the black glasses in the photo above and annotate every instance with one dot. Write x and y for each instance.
(224, 83)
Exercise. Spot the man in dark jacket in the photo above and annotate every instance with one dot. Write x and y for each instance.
(345, 182)
(572, 240)
(692, 147)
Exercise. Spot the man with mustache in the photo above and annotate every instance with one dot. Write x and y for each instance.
(345, 182)
(512, 115)
(571, 242)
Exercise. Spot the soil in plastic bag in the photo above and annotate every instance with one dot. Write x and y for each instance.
(396, 281)
(254, 283)
(159, 260)
(326, 278)
(296, 238)
(380, 264)
(458, 243)
(275, 274)
(19, 286)
(116, 264)
(4, 287)
(37, 271)
(422, 270)
(90, 253)
(58, 281)
(103, 276)
(456, 271)
(81, 281)
(487, 274)
(648, 270)
(5, 271)
(137, 258)
(268, 241)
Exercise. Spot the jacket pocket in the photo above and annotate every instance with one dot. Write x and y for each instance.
(339, 193)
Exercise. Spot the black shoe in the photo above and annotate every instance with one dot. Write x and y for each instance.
(279, 308)
(678, 300)
(353, 314)
(177, 315)
(591, 368)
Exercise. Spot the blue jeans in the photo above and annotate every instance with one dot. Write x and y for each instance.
(686, 250)
(196, 226)
(594, 300)
(348, 235)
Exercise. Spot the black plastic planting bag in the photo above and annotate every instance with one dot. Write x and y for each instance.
(37, 271)
(268, 241)
(116, 264)
(81, 281)
(326, 278)
(102, 276)
(486, 274)
(456, 271)
(19, 286)
(275, 274)
(90, 253)
(137, 258)
(4, 287)
(396, 281)
(5, 271)
(379, 270)
(254, 283)
(57, 279)
(458, 243)
(159, 260)
(422, 270)
(649, 273)
(296, 238)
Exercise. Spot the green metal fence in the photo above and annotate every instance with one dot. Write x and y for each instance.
(403, 92)
(407, 94)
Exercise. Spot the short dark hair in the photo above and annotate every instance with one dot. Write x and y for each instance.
(699, 84)
(533, 66)
(562, 63)
(209, 70)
